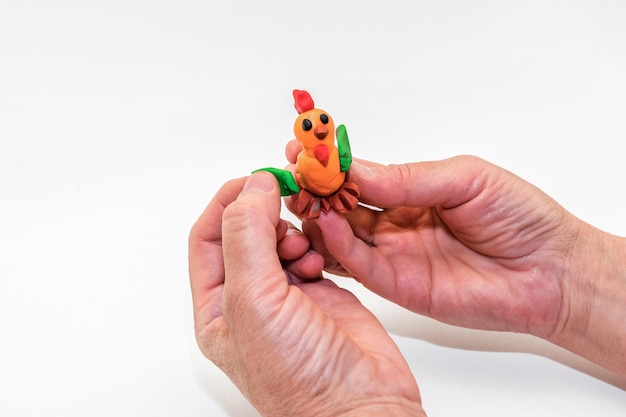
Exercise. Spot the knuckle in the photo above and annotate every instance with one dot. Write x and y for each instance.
(240, 216)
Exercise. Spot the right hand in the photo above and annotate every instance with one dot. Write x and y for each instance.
(470, 244)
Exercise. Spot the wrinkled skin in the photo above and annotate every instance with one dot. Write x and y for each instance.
(295, 344)
(459, 240)
(468, 243)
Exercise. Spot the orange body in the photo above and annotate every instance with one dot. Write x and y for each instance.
(317, 167)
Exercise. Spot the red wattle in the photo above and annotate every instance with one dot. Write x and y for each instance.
(321, 154)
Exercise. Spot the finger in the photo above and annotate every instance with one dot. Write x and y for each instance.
(292, 244)
(448, 183)
(206, 267)
(357, 257)
(331, 265)
(367, 163)
(282, 229)
(255, 282)
(296, 256)
(362, 221)
(292, 149)
(308, 266)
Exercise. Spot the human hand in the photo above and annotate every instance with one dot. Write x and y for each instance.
(470, 244)
(293, 342)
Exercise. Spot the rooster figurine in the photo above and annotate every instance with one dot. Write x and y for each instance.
(321, 167)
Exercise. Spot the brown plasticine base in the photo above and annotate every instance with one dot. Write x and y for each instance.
(309, 206)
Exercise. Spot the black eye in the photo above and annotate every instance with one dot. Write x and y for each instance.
(324, 118)
(306, 124)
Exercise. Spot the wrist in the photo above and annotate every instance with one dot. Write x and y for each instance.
(594, 300)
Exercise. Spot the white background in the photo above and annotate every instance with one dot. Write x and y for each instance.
(120, 119)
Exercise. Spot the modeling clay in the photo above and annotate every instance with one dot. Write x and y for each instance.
(320, 174)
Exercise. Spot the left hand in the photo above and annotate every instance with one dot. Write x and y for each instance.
(292, 345)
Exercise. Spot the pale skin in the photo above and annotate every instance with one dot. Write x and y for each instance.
(459, 240)
(295, 346)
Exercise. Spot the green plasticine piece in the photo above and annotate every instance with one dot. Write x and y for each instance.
(343, 145)
(287, 183)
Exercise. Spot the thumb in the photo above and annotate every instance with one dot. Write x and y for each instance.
(252, 269)
(447, 183)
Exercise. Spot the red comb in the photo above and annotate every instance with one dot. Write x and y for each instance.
(303, 101)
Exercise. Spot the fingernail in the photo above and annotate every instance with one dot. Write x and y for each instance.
(259, 181)
(361, 170)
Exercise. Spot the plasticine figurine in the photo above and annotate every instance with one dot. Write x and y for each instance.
(321, 166)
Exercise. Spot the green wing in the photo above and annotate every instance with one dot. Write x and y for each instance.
(287, 183)
(343, 144)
